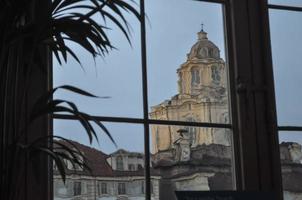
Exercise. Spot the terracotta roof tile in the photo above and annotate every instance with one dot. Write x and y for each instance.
(97, 161)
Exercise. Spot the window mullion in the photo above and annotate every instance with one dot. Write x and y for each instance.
(246, 153)
(258, 147)
(145, 100)
(39, 84)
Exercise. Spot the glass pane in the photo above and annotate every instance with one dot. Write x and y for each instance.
(286, 45)
(191, 158)
(286, 2)
(186, 61)
(117, 75)
(290, 136)
(117, 172)
(291, 161)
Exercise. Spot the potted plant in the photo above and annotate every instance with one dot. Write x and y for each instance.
(31, 30)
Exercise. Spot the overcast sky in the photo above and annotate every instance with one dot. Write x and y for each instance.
(171, 32)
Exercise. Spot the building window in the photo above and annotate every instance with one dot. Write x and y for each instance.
(216, 77)
(104, 188)
(131, 167)
(119, 163)
(121, 188)
(286, 56)
(195, 76)
(77, 189)
(141, 117)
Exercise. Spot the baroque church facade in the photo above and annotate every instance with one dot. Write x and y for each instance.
(187, 157)
(202, 97)
(194, 158)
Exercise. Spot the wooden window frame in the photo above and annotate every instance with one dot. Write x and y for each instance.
(257, 146)
(254, 124)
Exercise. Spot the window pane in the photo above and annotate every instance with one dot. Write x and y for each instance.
(291, 160)
(186, 61)
(286, 45)
(191, 158)
(286, 2)
(111, 177)
(117, 75)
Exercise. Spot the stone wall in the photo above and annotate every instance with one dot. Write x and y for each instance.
(210, 169)
(134, 188)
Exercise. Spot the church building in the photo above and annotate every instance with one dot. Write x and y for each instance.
(202, 97)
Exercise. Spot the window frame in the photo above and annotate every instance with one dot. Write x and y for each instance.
(131, 167)
(104, 188)
(239, 16)
(121, 188)
(289, 128)
(216, 77)
(119, 163)
(77, 188)
(195, 76)
(258, 161)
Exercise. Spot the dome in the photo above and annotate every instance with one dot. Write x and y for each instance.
(203, 48)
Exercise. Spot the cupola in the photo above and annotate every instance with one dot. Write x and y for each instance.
(203, 48)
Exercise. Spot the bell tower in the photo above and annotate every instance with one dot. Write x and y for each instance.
(203, 69)
(202, 97)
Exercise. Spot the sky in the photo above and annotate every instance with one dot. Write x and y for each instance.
(171, 31)
(286, 42)
(286, 2)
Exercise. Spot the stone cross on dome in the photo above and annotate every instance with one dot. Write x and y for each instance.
(202, 27)
(202, 35)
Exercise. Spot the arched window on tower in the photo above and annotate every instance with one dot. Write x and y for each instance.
(215, 74)
(191, 131)
(195, 76)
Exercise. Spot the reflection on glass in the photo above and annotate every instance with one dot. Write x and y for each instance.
(187, 69)
(291, 162)
(191, 158)
(286, 2)
(117, 75)
(286, 45)
(117, 173)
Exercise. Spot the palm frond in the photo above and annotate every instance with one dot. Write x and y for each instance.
(23, 33)
(47, 105)
(75, 20)
(60, 151)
